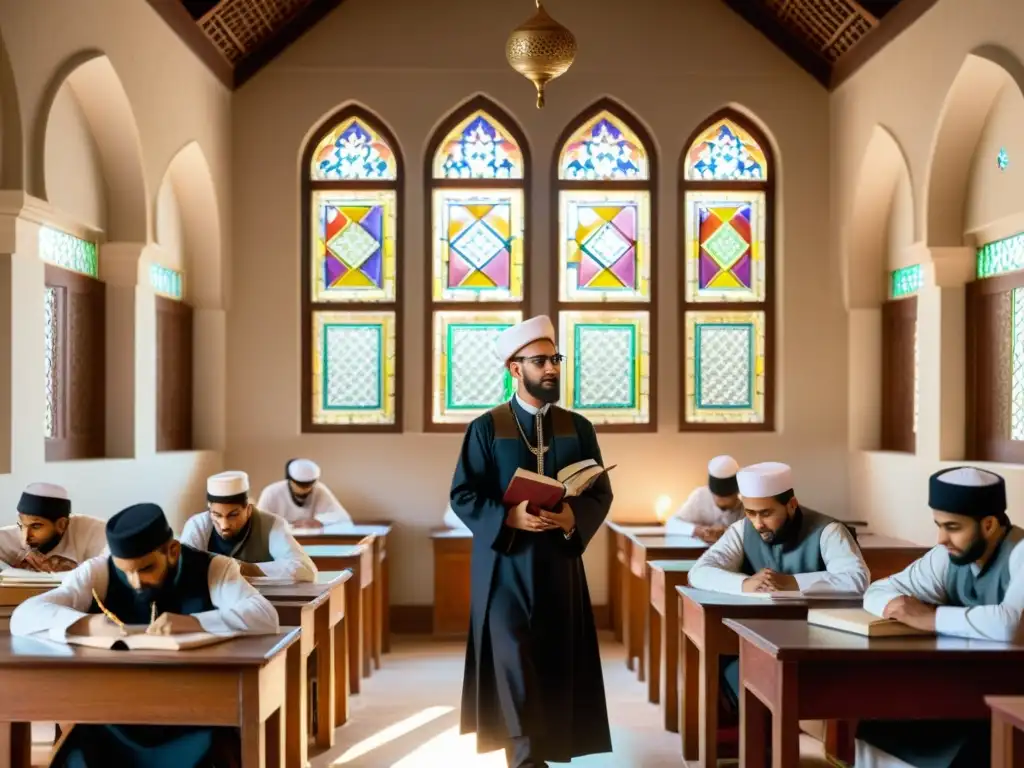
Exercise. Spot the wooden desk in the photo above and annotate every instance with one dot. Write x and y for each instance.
(663, 633)
(453, 553)
(618, 563)
(319, 610)
(1007, 731)
(239, 683)
(637, 596)
(358, 598)
(704, 639)
(885, 555)
(353, 534)
(15, 596)
(795, 671)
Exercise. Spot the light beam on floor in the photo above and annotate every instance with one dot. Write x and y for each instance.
(391, 733)
(450, 750)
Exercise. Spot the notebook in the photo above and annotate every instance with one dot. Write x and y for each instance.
(860, 622)
(138, 640)
(20, 577)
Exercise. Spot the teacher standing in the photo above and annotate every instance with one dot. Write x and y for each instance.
(532, 681)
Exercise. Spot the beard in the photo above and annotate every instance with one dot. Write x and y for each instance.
(47, 546)
(781, 534)
(975, 550)
(545, 389)
(300, 499)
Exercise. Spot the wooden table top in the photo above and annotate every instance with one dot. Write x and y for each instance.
(793, 639)
(650, 529)
(710, 599)
(451, 533)
(877, 541)
(334, 550)
(252, 650)
(1011, 708)
(668, 541)
(344, 529)
(671, 566)
(305, 590)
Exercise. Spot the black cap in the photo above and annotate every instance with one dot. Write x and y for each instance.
(137, 531)
(723, 486)
(967, 491)
(43, 500)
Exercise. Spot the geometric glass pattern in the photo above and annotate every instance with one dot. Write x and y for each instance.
(354, 245)
(51, 339)
(606, 375)
(353, 151)
(604, 250)
(725, 367)
(1003, 159)
(68, 252)
(724, 248)
(165, 281)
(725, 152)
(479, 147)
(999, 256)
(353, 367)
(905, 281)
(468, 376)
(603, 149)
(1017, 374)
(478, 245)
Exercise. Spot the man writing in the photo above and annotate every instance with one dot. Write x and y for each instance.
(147, 572)
(532, 682)
(711, 508)
(302, 499)
(47, 537)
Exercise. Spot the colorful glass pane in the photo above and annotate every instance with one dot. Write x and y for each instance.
(165, 281)
(725, 367)
(602, 149)
(479, 147)
(353, 368)
(724, 248)
(354, 245)
(478, 245)
(725, 152)
(353, 151)
(605, 247)
(905, 281)
(999, 256)
(606, 375)
(51, 356)
(468, 376)
(68, 252)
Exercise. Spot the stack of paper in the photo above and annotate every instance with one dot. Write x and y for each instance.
(809, 595)
(20, 577)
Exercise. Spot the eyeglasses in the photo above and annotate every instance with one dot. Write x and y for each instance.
(541, 360)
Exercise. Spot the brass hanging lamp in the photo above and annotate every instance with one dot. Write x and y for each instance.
(541, 49)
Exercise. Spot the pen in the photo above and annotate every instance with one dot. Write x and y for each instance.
(109, 614)
(152, 613)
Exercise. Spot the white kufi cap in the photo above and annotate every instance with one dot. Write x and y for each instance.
(303, 471)
(511, 340)
(723, 467)
(770, 478)
(227, 486)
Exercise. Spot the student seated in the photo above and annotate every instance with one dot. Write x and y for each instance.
(451, 520)
(780, 546)
(47, 537)
(971, 584)
(302, 499)
(192, 592)
(711, 508)
(232, 526)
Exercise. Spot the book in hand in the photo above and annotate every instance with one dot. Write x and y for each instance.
(860, 622)
(549, 492)
(138, 640)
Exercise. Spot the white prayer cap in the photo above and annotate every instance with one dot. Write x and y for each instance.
(760, 481)
(302, 471)
(511, 340)
(227, 486)
(47, 490)
(723, 467)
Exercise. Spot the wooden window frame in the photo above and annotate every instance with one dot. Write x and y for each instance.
(429, 185)
(899, 327)
(768, 306)
(308, 307)
(180, 436)
(649, 185)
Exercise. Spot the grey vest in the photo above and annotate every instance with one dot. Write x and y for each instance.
(800, 554)
(965, 589)
(255, 547)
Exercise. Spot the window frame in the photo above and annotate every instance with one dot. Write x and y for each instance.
(899, 330)
(769, 188)
(181, 436)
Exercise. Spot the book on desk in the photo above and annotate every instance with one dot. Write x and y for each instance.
(20, 577)
(138, 640)
(859, 622)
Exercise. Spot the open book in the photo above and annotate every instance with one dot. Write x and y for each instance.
(548, 492)
(819, 594)
(860, 622)
(269, 581)
(20, 577)
(138, 640)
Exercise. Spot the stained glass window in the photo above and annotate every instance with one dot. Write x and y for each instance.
(352, 259)
(51, 353)
(165, 281)
(68, 252)
(727, 314)
(905, 281)
(478, 245)
(1003, 159)
(999, 256)
(603, 148)
(478, 147)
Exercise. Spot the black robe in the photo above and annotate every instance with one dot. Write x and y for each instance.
(533, 666)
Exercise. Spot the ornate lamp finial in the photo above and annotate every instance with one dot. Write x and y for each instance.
(541, 49)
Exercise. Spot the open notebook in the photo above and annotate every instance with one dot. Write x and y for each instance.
(138, 640)
(860, 622)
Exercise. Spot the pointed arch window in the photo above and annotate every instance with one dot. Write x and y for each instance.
(477, 167)
(351, 275)
(604, 284)
(727, 293)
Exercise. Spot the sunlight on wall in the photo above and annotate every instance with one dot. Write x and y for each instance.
(391, 733)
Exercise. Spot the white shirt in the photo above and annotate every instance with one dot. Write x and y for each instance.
(290, 561)
(700, 509)
(925, 579)
(451, 520)
(84, 538)
(321, 504)
(718, 569)
(239, 607)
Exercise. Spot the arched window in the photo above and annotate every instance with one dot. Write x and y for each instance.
(476, 170)
(727, 302)
(351, 262)
(604, 287)
(900, 360)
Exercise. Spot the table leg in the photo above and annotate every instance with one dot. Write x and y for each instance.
(354, 620)
(16, 745)
(637, 601)
(613, 586)
(707, 699)
(296, 732)
(385, 591)
(626, 589)
(653, 653)
(325, 677)
(366, 598)
(1007, 743)
(689, 707)
(785, 724)
(252, 734)
(670, 652)
(754, 718)
(377, 634)
(341, 671)
(274, 738)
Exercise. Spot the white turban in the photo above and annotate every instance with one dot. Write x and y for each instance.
(515, 338)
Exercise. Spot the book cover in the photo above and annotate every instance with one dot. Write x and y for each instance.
(138, 640)
(549, 492)
(860, 622)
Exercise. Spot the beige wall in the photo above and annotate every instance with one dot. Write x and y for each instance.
(947, 113)
(676, 64)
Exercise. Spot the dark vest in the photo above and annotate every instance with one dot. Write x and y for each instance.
(800, 553)
(964, 589)
(511, 452)
(255, 544)
(188, 593)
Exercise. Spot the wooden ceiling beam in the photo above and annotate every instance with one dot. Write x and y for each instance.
(184, 26)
